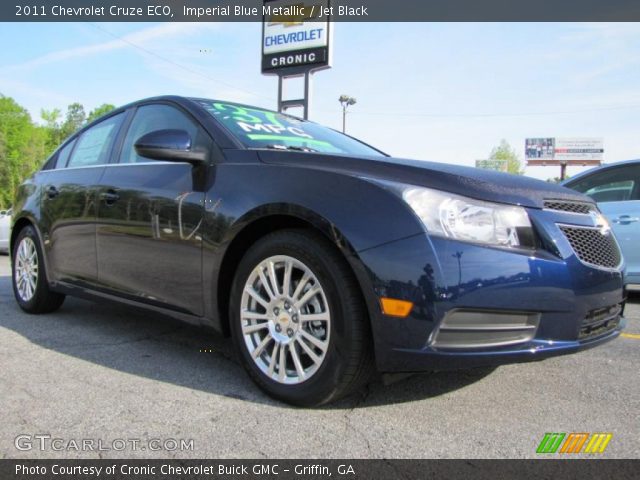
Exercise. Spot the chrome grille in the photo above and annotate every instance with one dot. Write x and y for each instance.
(573, 207)
(593, 247)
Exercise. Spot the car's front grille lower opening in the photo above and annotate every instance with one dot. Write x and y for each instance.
(600, 321)
(593, 246)
(572, 207)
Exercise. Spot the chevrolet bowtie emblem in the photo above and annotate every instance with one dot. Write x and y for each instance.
(600, 222)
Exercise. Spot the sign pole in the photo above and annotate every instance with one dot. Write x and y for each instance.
(307, 94)
(280, 92)
(304, 102)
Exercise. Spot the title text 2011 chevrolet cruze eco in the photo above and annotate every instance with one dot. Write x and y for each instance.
(323, 258)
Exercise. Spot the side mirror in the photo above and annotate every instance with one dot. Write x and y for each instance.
(169, 145)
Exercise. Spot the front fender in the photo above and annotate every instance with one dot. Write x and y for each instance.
(352, 212)
(366, 213)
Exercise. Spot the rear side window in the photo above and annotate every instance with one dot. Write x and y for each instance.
(63, 155)
(150, 118)
(93, 145)
(615, 185)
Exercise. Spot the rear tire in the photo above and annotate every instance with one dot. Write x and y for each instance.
(305, 302)
(30, 286)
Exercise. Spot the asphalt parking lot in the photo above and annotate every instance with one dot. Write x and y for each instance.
(105, 373)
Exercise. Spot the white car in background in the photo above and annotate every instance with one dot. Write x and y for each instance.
(5, 230)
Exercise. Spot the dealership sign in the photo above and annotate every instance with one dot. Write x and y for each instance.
(295, 35)
(564, 151)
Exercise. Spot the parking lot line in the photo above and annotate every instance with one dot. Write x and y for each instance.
(635, 336)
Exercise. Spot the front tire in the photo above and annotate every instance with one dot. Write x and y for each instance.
(298, 319)
(29, 278)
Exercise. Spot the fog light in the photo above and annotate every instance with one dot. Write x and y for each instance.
(468, 329)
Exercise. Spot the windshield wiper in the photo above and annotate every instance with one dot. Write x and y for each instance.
(289, 147)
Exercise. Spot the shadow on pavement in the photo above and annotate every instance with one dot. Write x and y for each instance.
(149, 345)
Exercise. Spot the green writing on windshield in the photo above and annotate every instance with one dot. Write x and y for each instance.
(255, 127)
(243, 114)
(309, 141)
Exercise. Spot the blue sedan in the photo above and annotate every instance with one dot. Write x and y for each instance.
(323, 258)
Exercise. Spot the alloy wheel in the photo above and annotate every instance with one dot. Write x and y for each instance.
(285, 319)
(26, 269)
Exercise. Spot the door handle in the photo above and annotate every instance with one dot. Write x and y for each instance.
(625, 219)
(52, 191)
(110, 197)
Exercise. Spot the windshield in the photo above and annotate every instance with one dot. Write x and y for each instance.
(258, 128)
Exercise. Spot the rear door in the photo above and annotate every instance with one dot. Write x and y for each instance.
(69, 200)
(149, 219)
(617, 191)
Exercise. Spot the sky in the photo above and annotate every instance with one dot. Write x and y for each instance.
(446, 92)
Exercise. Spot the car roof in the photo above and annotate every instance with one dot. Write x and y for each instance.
(183, 101)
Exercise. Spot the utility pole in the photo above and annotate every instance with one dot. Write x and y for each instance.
(345, 101)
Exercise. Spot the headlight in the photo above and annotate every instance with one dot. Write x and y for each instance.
(470, 220)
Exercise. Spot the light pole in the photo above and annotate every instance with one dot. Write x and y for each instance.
(345, 101)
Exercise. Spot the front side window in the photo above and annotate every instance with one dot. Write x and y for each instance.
(93, 145)
(150, 118)
(259, 128)
(616, 185)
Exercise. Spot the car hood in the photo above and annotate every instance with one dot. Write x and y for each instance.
(467, 181)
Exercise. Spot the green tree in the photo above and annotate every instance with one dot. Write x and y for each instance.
(4, 171)
(53, 128)
(504, 151)
(557, 179)
(24, 145)
(74, 119)
(99, 111)
(22, 148)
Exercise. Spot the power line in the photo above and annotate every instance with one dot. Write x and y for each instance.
(176, 64)
(506, 114)
(371, 113)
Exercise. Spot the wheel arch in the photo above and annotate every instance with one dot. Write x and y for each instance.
(266, 220)
(19, 225)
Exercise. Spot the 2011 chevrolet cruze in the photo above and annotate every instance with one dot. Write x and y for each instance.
(321, 256)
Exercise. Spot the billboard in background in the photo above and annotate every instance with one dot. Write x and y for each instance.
(539, 148)
(295, 33)
(564, 151)
(495, 165)
(579, 149)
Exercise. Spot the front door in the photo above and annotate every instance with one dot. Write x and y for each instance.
(625, 221)
(150, 218)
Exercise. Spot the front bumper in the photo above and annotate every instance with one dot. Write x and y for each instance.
(405, 360)
(441, 276)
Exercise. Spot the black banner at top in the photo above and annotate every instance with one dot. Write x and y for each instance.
(342, 11)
